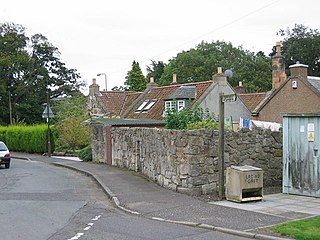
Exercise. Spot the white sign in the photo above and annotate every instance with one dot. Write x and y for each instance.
(310, 127)
(229, 98)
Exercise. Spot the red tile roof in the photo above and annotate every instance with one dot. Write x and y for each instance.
(116, 101)
(252, 100)
(161, 93)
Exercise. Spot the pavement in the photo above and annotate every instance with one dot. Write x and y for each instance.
(137, 195)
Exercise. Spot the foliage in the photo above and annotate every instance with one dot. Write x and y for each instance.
(302, 44)
(155, 70)
(135, 79)
(85, 154)
(120, 88)
(308, 229)
(207, 124)
(199, 64)
(21, 60)
(31, 139)
(70, 116)
(192, 117)
(73, 133)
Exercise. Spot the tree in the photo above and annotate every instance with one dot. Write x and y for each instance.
(135, 79)
(70, 118)
(155, 70)
(21, 60)
(200, 63)
(302, 44)
(120, 88)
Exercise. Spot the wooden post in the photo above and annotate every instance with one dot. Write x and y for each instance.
(221, 146)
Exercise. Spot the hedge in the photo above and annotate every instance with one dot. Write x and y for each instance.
(30, 139)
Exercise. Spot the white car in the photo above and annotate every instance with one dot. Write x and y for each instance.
(4, 155)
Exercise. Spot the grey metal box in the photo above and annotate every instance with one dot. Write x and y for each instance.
(244, 183)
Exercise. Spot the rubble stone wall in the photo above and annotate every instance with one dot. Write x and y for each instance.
(187, 161)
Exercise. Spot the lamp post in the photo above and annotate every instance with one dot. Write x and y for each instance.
(105, 78)
(46, 114)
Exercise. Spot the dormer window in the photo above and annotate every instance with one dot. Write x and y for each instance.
(175, 105)
(146, 105)
(180, 99)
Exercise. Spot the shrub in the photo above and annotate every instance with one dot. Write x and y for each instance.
(85, 154)
(193, 118)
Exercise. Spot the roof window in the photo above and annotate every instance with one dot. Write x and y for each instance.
(146, 105)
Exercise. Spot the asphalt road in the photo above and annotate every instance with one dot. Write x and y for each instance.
(41, 201)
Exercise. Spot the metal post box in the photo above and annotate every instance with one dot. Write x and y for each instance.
(244, 183)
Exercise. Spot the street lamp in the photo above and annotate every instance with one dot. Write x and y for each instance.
(105, 78)
(46, 114)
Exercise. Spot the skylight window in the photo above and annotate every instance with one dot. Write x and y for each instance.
(146, 105)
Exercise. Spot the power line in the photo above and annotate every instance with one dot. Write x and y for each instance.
(210, 32)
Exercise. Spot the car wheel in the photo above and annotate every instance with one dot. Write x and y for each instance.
(7, 165)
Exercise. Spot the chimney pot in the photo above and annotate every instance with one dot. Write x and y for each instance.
(219, 70)
(174, 78)
(151, 80)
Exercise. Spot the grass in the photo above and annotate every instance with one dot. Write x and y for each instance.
(307, 229)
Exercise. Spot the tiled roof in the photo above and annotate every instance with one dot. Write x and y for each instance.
(252, 100)
(184, 92)
(116, 101)
(315, 82)
(162, 93)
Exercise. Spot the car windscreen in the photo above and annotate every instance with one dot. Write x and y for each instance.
(3, 147)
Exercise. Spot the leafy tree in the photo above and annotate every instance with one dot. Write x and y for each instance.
(155, 70)
(200, 63)
(120, 88)
(135, 79)
(21, 60)
(302, 44)
(70, 117)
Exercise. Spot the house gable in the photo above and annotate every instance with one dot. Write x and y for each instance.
(295, 95)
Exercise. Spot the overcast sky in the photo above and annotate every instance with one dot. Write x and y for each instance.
(105, 36)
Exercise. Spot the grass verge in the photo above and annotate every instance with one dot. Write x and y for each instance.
(307, 229)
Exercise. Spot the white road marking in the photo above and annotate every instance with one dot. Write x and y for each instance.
(96, 218)
(78, 235)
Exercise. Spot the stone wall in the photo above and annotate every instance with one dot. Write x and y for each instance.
(187, 161)
(98, 140)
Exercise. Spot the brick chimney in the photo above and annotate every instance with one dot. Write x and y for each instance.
(299, 69)
(220, 78)
(240, 89)
(93, 88)
(151, 84)
(278, 68)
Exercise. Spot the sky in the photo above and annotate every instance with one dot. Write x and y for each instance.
(106, 36)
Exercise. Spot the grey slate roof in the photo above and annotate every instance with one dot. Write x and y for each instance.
(184, 92)
(315, 82)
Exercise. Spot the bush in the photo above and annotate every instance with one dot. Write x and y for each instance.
(193, 118)
(85, 154)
